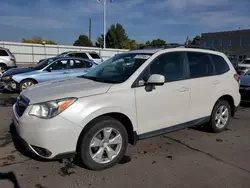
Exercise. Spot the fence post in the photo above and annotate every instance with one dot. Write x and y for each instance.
(33, 59)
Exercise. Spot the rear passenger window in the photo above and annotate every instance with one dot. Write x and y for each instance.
(82, 55)
(220, 64)
(199, 65)
(3, 53)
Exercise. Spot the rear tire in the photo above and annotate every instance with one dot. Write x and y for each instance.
(221, 116)
(26, 83)
(3, 68)
(103, 144)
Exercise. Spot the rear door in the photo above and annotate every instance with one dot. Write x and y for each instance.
(203, 84)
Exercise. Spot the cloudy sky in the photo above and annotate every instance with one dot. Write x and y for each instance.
(172, 20)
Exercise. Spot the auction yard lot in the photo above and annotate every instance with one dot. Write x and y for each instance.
(187, 158)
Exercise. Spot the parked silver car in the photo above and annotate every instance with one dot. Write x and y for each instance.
(7, 60)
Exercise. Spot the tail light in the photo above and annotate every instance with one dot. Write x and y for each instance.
(237, 78)
(12, 59)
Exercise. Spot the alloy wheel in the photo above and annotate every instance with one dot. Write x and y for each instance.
(105, 145)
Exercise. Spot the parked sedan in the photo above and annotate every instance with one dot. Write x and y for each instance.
(245, 87)
(19, 79)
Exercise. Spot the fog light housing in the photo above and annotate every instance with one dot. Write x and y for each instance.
(42, 151)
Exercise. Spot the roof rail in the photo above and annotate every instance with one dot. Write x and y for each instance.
(175, 45)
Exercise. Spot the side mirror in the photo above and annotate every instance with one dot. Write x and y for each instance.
(156, 79)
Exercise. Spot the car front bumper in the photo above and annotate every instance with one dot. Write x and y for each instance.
(48, 138)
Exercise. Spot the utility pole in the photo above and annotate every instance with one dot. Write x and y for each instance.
(104, 21)
(90, 29)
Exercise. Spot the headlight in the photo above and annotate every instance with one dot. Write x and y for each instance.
(51, 109)
(6, 78)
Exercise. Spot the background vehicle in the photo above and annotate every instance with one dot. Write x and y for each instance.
(244, 66)
(7, 60)
(131, 96)
(20, 79)
(235, 62)
(81, 54)
(245, 87)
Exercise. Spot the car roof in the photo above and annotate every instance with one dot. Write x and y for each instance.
(155, 50)
(82, 52)
(68, 58)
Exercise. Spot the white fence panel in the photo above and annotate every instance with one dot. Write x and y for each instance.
(32, 53)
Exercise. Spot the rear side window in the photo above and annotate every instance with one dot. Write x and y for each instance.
(94, 55)
(82, 55)
(3, 53)
(199, 65)
(220, 64)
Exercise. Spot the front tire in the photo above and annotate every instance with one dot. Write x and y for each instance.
(221, 116)
(26, 84)
(103, 144)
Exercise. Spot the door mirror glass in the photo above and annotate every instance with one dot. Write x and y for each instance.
(156, 79)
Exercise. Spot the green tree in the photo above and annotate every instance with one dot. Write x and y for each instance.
(158, 42)
(116, 37)
(38, 40)
(99, 42)
(83, 40)
(196, 40)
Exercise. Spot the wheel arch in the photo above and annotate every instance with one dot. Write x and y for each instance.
(124, 119)
(230, 100)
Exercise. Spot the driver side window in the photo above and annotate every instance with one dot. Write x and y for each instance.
(59, 65)
(170, 65)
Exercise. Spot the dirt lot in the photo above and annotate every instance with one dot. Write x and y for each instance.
(188, 158)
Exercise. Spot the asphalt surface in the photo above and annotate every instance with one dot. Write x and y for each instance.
(187, 158)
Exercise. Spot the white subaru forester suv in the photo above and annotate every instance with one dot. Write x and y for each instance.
(131, 96)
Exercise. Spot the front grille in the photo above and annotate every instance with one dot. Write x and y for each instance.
(21, 105)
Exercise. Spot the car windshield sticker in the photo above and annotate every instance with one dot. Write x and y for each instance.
(142, 57)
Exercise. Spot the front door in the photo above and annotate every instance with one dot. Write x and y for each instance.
(166, 105)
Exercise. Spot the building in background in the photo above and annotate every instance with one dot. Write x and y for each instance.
(232, 43)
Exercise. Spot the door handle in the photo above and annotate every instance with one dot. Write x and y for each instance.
(183, 89)
(216, 82)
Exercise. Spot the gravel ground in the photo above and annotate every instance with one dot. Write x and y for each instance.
(187, 158)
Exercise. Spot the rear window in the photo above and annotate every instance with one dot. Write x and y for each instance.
(94, 55)
(220, 64)
(3, 53)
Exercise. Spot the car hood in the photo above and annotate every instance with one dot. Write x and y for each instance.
(74, 87)
(14, 71)
(245, 80)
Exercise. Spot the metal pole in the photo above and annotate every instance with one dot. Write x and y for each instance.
(104, 24)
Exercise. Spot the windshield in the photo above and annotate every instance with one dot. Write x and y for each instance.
(43, 64)
(246, 61)
(118, 68)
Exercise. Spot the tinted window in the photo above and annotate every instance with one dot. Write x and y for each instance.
(246, 61)
(170, 65)
(94, 55)
(199, 65)
(78, 64)
(59, 65)
(3, 53)
(220, 64)
(82, 55)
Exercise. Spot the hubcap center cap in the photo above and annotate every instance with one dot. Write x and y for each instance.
(105, 144)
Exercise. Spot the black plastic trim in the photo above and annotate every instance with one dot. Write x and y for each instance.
(174, 128)
(65, 155)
